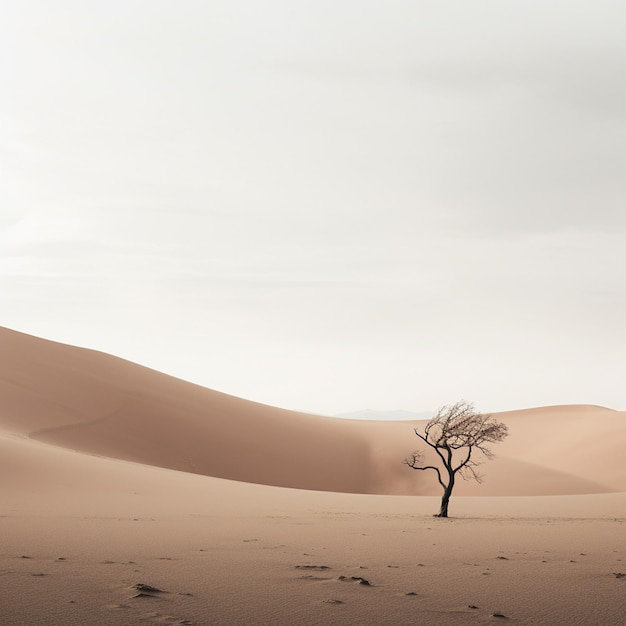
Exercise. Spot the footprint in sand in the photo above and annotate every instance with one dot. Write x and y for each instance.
(313, 568)
(147, 591)
(361, 580)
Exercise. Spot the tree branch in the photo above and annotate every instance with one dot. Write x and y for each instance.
(414, 462)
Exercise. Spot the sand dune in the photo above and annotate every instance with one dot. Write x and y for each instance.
(129, 497)
(99, 404)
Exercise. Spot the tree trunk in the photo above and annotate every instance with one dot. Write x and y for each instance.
(445, 499)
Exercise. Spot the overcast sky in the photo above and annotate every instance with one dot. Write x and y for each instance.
(323, 205)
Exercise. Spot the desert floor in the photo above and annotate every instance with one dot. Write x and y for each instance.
(127, 497)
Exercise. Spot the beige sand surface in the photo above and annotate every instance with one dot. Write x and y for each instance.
(93, 502)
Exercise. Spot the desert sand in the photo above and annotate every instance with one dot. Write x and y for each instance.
(131, 497)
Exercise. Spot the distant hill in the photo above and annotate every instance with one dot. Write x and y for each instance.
(398, 414)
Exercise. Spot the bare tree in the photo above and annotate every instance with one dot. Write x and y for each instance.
(458, 434)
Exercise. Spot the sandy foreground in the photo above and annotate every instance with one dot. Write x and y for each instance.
(123, 501)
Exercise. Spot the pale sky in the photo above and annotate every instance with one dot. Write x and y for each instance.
(323, 205)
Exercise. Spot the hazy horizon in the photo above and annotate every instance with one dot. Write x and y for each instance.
(323, 207)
